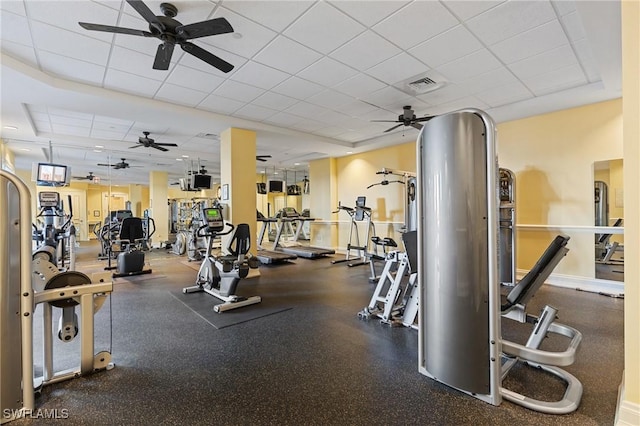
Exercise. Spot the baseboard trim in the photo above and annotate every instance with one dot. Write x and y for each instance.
(583, 283)
(627, 413)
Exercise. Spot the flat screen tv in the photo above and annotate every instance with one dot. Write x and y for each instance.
(201, 181)
(276, 186)
(49, 174)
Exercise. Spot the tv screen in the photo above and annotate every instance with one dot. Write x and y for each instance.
(276, 186)
(51, 174)
(261, 187)
(201, 181)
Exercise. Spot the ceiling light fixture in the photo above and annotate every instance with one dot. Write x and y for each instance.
(178, 159)
(97, 150)
(10, 127)
(349, 152)
(25, 149)
(99, 146)
(185, 156)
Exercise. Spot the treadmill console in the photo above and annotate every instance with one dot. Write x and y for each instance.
(48, 199)
(213, 219)
(289, 212)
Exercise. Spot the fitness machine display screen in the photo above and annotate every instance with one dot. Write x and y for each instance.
(213, 217)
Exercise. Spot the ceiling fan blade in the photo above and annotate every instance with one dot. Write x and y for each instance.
(159, 148)
(208, 57)
(163, 56)
(136, 146)
(427, 118)
(394, 127)
(416, 126)
(166, 144)
(146, 13)
(107, 165)
(384, 121)
(204, 29)
(118, 30)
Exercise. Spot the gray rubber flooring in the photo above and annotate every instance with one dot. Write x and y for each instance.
(312, 363)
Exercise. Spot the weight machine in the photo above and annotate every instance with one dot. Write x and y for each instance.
(27, 282)
(219, 276)
(360, 213)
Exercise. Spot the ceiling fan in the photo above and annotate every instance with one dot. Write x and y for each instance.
(147, 142)
(262, 157)
(172, 32)
(90, 177)
(407, 118)
(121, 165)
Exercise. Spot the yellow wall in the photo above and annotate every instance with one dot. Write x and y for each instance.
(552, 156)
(631, 111)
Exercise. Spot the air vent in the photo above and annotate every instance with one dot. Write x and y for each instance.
(422, 84)
(211, 136)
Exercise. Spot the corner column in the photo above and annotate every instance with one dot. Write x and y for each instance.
(158, 198)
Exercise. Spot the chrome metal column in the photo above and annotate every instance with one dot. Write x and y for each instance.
(459, 323)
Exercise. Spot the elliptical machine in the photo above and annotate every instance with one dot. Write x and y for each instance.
(219, 276)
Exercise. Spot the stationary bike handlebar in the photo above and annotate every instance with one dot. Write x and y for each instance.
(199, 232)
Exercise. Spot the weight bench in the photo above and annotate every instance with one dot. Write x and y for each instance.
(514, 307)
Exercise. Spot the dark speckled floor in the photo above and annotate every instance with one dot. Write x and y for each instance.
(315, 363)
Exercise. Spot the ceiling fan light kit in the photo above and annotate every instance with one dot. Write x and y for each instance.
(172, 32)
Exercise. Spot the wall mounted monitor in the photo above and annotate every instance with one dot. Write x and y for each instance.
(276, 186)
(49, 174)
(201, 181)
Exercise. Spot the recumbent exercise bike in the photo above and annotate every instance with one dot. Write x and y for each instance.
(219, 276)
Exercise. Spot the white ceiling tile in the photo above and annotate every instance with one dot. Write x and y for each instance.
(15, 28)
(287, 55)
(110, 127)
(415, 23)
(238, 91)
(530, 43)
(180, 95)
(16, 7)
(556, 80)
(42, 126)
(71, 69)
(189, 11)
(194, 79)
(468, 102)
(219, 104)
(448, 93)
(259, 75)
(560, 57)
(113, 4)
(468, 66)
(467, 9)
(504, 94)
(398, 68)
(333, 118)
(365, 51)
(112, 121)
(572, 24)
(66, 15)
(384, 96)
(308, 125)
(70, 130)
(356, 108)
(253, 36)
(368, 12)
(330, 131)
(329, 99)
(283, 119)
(67, 43)
(323, 28)
(107, 134)
(254, 112)
(59, 112)
(327, 72)
(446, 47)
(131, 83)
(510, 18)
(585, 56)
(564, 7)
(39, 116)
(273, 14)
(306, 110)
(298, 88)
(135, 63)
(21, 52)
(274, 101)
(397, 105)
(70, 121)
(359, 85)
(480, 83)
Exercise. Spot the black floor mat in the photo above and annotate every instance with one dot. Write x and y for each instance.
(203, 303)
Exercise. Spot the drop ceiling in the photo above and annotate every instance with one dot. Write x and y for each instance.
(308, 76)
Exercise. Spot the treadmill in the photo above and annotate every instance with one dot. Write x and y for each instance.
(289, 214)
(268, 257)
